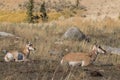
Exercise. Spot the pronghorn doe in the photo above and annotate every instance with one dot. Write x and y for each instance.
(83, 59)
(19, 55)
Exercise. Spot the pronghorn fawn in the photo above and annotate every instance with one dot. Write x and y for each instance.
(83, 59)
(15, 55)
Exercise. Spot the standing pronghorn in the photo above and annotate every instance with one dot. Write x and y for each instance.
(84, 59)
(19, 56)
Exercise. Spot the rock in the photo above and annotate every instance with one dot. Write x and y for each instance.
(5, 34)
(4, 51)
(74, 33)
(112, 50)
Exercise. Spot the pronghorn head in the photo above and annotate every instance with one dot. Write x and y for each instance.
(30, 47)
(98, 49)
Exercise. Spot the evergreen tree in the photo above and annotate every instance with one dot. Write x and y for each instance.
(30, 7)
(43, 11)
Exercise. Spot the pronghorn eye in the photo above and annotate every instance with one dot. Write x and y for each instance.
(99, 47)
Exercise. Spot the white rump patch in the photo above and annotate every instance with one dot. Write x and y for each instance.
(8, 57)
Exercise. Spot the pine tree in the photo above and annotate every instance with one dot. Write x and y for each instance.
(43, 11)
(77, 3)
(30, 7)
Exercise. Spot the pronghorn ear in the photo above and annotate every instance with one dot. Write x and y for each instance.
(29, 43)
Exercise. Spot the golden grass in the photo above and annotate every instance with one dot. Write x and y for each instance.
(43, 36)
(11, 16)
(20, 16)
(54, 15)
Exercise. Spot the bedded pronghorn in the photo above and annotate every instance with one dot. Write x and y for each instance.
(83, 59)
(19, 55)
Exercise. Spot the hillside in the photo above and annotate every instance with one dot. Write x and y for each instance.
(94, 8)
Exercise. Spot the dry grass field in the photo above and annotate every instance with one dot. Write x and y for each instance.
(44, 36)
(97, 19)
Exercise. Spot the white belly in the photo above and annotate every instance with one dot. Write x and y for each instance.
(74, 63)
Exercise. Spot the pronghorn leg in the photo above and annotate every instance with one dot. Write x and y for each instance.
(24, 59)
(83, 63)
(16, 60)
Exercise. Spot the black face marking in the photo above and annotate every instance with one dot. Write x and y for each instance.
(30, 44)
(101, 49)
